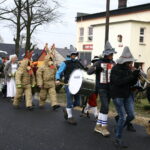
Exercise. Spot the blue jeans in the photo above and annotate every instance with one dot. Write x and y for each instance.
(105, 100)
(72, 100)
(124, 106)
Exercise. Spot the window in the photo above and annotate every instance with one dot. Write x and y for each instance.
(85, 58)
(90, 33)
(119, 38)
(141, 37)
(81, 35)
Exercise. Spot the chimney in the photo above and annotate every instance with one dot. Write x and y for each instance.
(122, 4)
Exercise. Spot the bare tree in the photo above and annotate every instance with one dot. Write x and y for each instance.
(37, 13)
(13, 15)
(27, 15)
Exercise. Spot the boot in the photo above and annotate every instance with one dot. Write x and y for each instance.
(65, 114)
(102, 129)
(98, 128)
(105, 131)
(119, 144)
(130, 127)
(55, 107)
(72, 121)
(30, 108)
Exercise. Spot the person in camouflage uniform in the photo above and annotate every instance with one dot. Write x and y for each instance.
(45, 76)
(25, 80)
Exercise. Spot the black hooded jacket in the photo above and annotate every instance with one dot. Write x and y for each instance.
(121, 81)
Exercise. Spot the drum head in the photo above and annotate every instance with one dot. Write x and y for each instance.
(75, 81)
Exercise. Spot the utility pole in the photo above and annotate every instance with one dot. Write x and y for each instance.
(107, 21)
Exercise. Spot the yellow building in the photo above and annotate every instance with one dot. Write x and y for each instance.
(129, 26)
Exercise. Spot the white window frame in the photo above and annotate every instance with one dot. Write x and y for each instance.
(90, 34)
(81, 34)
(142, 35)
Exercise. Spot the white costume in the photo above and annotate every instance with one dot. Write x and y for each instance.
(11, 85)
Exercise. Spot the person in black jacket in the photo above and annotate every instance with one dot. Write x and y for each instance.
(122, 80)
(65, 69)
(102, 69)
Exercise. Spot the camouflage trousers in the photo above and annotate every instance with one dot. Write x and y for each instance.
(28, 96)
(43, 96)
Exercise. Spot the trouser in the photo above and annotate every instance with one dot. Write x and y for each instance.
(72, 100)
(43, 95)
(28, 96)
(124, 106)
(105, 100)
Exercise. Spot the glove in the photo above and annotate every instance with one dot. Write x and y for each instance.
(136, 73)
(57, 82)
(19, 85)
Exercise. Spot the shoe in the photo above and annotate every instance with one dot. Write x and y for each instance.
(98, 128)
(85, 115)
(131, 128)
(102, 129)
(119, 144)
(116, 118)
(72, 121)
(56, 107)
(65, 114)
(148, 128)
(41, 107)
(16, 107)
(30, 108)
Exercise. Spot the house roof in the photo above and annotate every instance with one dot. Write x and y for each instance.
(10, 49)
(116, 12)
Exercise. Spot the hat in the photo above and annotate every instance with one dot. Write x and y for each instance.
(72, 51)
(96, 58)
(126, 56)
(108, 49)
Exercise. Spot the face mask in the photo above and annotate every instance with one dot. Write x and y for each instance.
(50, 63)
(28, 68)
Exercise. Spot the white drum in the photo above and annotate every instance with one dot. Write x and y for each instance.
(82, 83)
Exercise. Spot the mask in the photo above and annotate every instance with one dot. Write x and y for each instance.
(28, 68)
(50, 63)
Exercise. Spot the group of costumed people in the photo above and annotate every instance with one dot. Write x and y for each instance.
(21, 78)
(113, 81)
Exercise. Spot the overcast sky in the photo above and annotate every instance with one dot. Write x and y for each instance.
(63, 34)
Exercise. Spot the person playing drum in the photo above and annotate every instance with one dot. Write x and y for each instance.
(102, 68)
(66, 69)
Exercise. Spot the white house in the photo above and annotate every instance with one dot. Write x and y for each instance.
(129, 26)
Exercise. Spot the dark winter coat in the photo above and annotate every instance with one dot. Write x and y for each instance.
(121, 81)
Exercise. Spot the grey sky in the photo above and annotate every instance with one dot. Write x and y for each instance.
(63, 34)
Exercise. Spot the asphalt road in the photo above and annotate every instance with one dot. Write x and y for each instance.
(47, 130)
